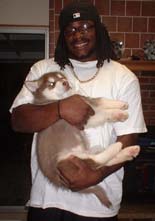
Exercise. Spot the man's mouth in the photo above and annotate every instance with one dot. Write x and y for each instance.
(80, 45)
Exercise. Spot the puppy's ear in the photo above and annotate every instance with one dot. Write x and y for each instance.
(32, 85)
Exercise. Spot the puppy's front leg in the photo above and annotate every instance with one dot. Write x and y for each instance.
(106, 110)
(106, 103)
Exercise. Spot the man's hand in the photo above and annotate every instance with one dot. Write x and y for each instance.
(75, 111)
(77, 175)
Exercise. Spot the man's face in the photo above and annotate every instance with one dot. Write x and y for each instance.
(80, 38)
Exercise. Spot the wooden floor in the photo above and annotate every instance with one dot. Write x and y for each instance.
(128, 212)
(137, 211)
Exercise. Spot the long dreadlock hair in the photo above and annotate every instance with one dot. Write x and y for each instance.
(104, 47)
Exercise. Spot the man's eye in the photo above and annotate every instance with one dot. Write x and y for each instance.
(70, 30)
(73, 29)
(84, 26)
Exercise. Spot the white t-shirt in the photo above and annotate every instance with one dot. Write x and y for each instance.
(114, 81)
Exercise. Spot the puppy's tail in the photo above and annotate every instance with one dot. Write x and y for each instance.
(99, 193)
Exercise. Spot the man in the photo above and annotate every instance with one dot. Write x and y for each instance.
(84, 53)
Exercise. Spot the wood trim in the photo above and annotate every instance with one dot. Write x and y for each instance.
(24, 26)
(139, 65)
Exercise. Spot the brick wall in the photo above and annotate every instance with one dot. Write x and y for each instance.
(130, 21)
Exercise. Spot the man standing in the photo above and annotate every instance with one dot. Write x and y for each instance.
(84, 53)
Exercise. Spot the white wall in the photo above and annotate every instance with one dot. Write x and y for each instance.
(24, 12)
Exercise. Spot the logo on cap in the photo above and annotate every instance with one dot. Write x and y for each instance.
(76, 15)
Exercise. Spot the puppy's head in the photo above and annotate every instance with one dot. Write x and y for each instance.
(51, 86)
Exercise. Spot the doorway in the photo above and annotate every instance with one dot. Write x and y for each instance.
(19, 50)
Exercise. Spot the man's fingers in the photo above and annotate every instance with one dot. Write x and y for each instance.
(63, 180)
(77, 162)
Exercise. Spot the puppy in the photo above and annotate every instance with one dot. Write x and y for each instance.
(58, 142)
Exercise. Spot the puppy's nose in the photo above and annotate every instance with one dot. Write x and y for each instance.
(65, 83)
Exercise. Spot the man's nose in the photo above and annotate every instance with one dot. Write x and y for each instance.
(78, 34)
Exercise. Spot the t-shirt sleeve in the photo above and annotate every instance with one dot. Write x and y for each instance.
(25, 96)
(130, 92)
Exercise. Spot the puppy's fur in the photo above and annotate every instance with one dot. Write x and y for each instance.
(61, 140)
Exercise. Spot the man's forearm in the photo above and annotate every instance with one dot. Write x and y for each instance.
(33, 118)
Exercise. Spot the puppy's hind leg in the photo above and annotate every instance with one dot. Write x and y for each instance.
(125, 154)
(106, 155)
(98, 160)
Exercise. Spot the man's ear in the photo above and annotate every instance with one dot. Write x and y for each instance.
(31, 85)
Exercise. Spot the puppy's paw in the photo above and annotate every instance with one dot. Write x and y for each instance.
(119, 115)
(124, 155)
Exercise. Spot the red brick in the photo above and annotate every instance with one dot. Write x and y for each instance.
(110, 23)
(117, 7)
(145, 94)
(102, 6)
(146, 101)
(152, 122)
(117, 37)
(150, 114)
(148, 87)
(147, 121)
(145, 108)
(51, 14)
(144, 80)
(148, 8)
(150, 74)
(152, 79)
(56, 36)
(133, 8)
(66, 2)
(56, 22)
(58, 6)
(152, 94)
(139, 24)
(51, 3)
(132, 40)
(124, 24)
(51, 50)
(152, 107)
(51, 37)
(51, 24)
(151, 25)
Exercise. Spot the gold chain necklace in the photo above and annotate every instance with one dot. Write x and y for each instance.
(84, 81)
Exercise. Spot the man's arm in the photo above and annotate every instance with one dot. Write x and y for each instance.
(82, 176)
(31, 118)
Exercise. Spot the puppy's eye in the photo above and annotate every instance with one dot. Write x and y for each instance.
(51, 84)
